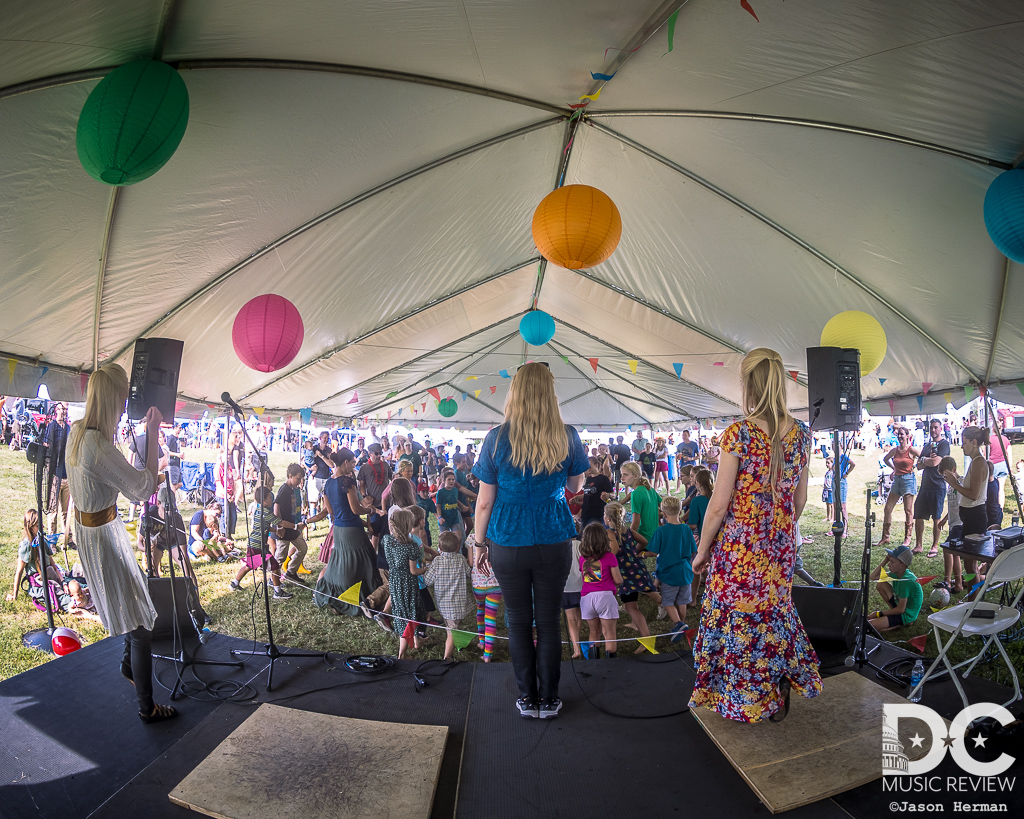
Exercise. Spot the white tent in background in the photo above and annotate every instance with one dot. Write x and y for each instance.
(378, 164)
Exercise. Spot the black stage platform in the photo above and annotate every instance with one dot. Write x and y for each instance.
(72, 745)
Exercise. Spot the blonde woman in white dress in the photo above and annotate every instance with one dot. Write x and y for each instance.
(97, 472)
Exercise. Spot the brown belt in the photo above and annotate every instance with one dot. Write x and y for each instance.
(94, 519)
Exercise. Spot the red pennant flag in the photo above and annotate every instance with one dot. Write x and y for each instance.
(689, 642)
(923, 580)
(354, 399)
(926, 385)
(593, 363)
(718, 364)
(389, 415)
(433, 391)
(745, 4)
(424, 405)
(892, 407)
(919, 642)
(793, 374)
(493, 390)
(982, 389)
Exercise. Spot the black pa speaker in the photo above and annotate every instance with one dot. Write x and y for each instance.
(829, 615)
(154, 377)
(186, 598)
(833, 385)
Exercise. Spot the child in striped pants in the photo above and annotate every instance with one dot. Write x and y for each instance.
(488, 596)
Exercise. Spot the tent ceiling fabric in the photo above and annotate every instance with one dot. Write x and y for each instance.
(378, 164)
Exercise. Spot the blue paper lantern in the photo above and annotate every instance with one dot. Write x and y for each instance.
(537, 328)
(1004, 213)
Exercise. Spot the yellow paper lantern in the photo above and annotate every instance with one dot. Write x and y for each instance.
(576, 226)
(854, 328)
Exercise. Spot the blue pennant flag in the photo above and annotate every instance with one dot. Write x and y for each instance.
(679, 370)
(604, 77)
(504, 374)
(306, 414)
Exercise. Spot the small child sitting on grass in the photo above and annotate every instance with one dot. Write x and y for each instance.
(904, 594)
(448, 573)
(674, 546)
(27, 564)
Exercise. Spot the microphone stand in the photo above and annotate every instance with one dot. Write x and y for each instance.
(860, 653)
(42, 638)
(270, 649)
(182, 656)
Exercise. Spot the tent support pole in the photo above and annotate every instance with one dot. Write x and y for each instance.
(474, 398)
(602, 389)
(999, 320)
(818, 254)
(101, 273)
(644, 361)
(575, 397)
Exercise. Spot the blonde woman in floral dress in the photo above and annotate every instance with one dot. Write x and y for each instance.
(751, 649)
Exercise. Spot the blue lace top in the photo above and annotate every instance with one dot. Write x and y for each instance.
(528, 509)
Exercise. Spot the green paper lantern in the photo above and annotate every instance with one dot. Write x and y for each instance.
(132, 122)
(448, 407)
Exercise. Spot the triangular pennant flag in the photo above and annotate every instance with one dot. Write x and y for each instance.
(632, 364)
(969, 578)
(43, 373)
(504, 374)
(948, 396)
(354, 399)
(351, 594)
(920, 403)
(11, 364)
(593, 363)
(881, 380)
(919, 642)
(969, 392)
(303, 570)
(471, 378)
(678, 368)
(793, 374)
(593, 96)
(923, 580)
(465, 396)
(306, 414)
(745, 4)
(83, 379)
(462, 639)
(259, 410)
(400, 411)
(718, 364)
(983, 390)
(926, 385)
(433, 391)
(867, 406)
(598, 76)
(671, 31)
(424, 405)
(493, 390)
(689, 642)
(564, 358)
(391, 395)
(648, 643)
(884, 575)
(892, 407)
(389, 414)
(476, 393)
(1020, 387)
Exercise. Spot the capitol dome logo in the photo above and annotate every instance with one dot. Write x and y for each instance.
(894, 760)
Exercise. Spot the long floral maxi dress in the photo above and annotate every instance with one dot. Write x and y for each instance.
(750, 635)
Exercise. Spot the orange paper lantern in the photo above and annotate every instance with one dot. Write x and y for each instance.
(576, 226)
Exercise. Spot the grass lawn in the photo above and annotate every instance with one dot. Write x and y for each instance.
(300, 624)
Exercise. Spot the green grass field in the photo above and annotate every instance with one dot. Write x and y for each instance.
(298, 623)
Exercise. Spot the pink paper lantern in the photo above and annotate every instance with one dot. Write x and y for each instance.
(267, 333)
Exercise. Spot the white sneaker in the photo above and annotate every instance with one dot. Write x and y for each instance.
(662, 614)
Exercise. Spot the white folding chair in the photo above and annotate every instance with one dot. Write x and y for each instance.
(957, 620)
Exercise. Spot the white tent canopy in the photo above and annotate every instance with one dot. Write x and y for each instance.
(378, 164)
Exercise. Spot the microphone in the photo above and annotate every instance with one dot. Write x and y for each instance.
(227, 399)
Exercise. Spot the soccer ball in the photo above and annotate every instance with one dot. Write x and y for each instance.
(939, 598)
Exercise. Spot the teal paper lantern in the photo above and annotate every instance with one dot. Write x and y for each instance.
(448, 407)
(1004, 213)
(537, 328)
(132, 122)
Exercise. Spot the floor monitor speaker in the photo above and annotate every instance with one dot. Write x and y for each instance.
(829, 615)
(186, 599)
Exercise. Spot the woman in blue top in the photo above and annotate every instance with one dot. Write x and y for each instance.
(352, 559)
(524, 525)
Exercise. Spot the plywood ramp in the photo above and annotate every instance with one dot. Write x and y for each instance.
(827, 745)
(283, 763)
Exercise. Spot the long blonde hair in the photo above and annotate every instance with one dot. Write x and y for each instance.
(535, 427)
(104, 404)
(633, 468)
(613, 513)
(764, 398)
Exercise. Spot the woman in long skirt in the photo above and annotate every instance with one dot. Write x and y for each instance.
(97, 471)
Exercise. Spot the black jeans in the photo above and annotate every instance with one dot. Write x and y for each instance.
(138, 655)
(532, 579)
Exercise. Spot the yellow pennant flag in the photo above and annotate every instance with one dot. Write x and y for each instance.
(884, 575)
(477, 393)
(632, 365)
(648, 643)
(592, 96)
(471, 378)
(259, 410)
(351, 595)
(11, 364)
(284, 566)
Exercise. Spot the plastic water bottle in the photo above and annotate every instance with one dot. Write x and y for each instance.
(915, 678)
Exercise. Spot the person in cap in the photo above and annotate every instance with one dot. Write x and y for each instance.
(900, 590)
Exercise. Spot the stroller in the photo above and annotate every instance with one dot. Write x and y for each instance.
(884, 486)
(198, 482)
